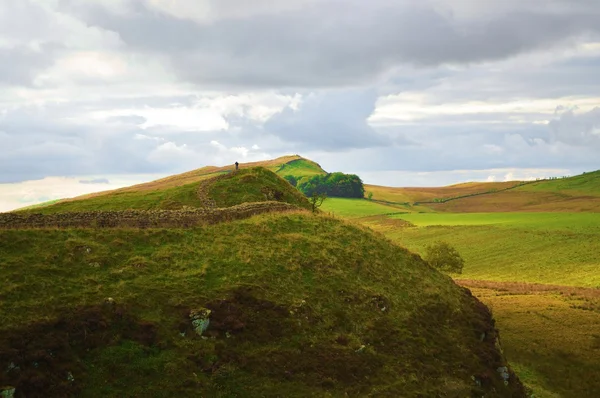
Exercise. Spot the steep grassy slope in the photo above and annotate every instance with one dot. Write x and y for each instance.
(300, 306)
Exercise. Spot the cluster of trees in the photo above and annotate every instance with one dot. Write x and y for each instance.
(333, 185)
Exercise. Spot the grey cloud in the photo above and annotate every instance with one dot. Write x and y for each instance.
(580, 129)
(319, 45)
(334, 120)
(95, 181)
(20, 65)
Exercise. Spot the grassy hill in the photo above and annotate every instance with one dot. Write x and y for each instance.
(181, 191)
(300, 305)
(172, 192)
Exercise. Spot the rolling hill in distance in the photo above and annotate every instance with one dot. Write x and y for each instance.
(290, 303)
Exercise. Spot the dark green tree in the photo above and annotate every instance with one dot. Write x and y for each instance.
(291, 179)
(334, 185)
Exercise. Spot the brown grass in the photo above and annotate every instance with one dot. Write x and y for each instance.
(510, 201)
(420, 194)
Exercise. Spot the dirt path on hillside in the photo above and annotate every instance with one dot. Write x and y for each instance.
(204, 188)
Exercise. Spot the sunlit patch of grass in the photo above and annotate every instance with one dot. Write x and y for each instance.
(353, 208)
(550, 248)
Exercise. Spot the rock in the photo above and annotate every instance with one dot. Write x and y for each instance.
(7, 392)
(503, 370)
(200, 319)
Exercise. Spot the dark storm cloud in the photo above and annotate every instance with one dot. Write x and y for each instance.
(332, 43)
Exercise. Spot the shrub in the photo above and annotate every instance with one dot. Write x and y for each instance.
(444, 257)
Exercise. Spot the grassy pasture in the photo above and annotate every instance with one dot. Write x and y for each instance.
(355, 208)
(551, 248)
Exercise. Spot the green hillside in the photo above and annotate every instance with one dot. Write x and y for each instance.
(299, 168)
(230, 188)
(583, 184)
(173, 192)
(254, 185)
(300, 305)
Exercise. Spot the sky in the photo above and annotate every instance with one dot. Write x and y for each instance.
(100, 94)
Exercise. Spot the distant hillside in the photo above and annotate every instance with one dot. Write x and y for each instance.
(290, 305)
(578, 193)
(178, 191)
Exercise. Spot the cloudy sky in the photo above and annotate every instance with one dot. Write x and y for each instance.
(96, 94)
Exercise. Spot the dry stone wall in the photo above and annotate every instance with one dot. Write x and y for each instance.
(142, 218)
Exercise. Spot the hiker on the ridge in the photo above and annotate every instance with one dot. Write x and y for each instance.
(236, 165)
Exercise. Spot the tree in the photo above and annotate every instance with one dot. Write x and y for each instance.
(444, 257)
(316, 200)
(333, 184)
(370, 195)
(291, 179)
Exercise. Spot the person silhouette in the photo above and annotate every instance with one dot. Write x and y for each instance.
(236, 165)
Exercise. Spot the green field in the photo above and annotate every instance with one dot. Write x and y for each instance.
(354, 208)
(585, 223)
(551, 248)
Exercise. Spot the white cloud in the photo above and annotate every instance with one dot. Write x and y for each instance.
(169, 152)
(27, 193)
